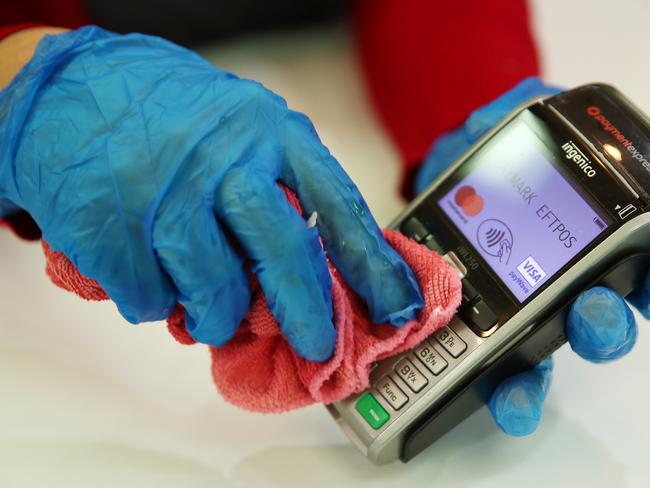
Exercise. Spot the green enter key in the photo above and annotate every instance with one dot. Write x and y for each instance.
(371, 410)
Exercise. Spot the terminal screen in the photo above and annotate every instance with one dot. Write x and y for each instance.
(519, 212)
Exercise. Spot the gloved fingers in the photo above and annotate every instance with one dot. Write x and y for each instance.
(351, 236)
(211, 280)
(600, 325)
(129, 274)
(286, 254)
(450, 146)
(516, 404)
(447, 149)
(486, 117)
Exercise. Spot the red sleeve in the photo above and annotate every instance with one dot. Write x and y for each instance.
(20, 14)
(23, 226)
(7, 30)
(428, 64)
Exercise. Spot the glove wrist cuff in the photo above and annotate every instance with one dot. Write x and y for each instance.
(7, 208)
(17, 100)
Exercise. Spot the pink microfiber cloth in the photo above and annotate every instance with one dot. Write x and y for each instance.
(259, 371)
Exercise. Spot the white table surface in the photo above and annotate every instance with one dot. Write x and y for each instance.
(88, 400)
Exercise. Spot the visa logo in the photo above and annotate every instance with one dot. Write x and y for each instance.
(531, 271)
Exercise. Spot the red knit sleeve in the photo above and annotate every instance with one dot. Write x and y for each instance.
(428, 64)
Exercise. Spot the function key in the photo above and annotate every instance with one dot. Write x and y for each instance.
(414, 229)
(478, 316)
(411, 375)
(391, 392)
(432, 244)
(430, 358)
(450, 341)
(469, 293)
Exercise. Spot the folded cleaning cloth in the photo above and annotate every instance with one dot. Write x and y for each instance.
(259, 371)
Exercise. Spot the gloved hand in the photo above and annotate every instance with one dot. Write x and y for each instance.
(155, 174)
(600, 326)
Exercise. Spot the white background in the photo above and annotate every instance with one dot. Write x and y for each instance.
(88, 400)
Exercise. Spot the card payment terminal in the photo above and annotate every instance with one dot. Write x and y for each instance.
(550, 202)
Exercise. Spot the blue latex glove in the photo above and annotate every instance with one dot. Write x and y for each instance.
(125, 148)
(600, 326)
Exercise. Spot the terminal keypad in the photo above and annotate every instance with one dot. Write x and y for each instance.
(419, 369)
(431, 358)
(412, 376)
(448, 339)
(415, 371)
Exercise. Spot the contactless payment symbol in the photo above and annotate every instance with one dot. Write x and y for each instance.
(495, 238)
(468, 200)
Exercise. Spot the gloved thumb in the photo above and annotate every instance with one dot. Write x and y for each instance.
(486, 117)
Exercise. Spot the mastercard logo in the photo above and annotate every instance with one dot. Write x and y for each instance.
(467, 199)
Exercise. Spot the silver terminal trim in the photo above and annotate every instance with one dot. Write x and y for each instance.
(456, 263)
